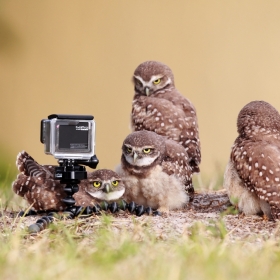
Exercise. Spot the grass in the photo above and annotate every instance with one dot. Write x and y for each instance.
(105, 248)
(100, 248)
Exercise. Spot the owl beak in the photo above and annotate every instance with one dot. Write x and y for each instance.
(107, 188)
(147, 91)
(135, 157)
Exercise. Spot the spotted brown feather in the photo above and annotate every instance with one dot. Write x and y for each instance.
(162, 109)
(36, 184)
(255, 156)
(159, 177)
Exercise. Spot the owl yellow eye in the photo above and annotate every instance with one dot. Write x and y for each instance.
(115, 183)
(96, 184)
(147, 151)
(157, 81)
(128, 149)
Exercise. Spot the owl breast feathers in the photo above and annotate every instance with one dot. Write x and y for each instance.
(36, 184)
(155, 171)
(252, 176)
(158, 106)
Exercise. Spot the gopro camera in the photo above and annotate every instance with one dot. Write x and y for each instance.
(69, 137)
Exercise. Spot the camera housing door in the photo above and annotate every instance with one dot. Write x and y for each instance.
(69, 136)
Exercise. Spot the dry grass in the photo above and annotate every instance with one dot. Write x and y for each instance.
(190, 244)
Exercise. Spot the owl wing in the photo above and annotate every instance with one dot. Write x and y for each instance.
(29, 167)
(189, 137)
(176, 162)
(158, 115)
(258, 165)
(42, 193)
(36, 184)
(167, 119)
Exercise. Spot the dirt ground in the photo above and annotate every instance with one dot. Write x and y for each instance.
(209, 209)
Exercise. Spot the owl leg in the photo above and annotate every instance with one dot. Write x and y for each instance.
(190, 191)
(275, 213)
(246, 201)
(266, 209)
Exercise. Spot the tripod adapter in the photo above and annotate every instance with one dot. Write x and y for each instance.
(70, 173)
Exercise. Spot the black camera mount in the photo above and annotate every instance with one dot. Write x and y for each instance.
(70, 173)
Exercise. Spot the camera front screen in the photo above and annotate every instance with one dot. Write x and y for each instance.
(73, 137)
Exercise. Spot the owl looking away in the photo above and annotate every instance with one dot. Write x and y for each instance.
(252, 176)
(155, 171)
(158, 106)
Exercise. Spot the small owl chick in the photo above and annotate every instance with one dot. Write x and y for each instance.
(158, 106)
(155, 171)
(252, 176)
(103, 184)
(36, 184)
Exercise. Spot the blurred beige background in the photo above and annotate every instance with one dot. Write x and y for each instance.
(78, 57)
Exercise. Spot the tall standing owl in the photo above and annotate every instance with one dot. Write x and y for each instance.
(252, 176)
(37, 185)
(155, 171)
(158, 106)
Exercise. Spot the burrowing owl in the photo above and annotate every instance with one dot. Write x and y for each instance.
(155, 171)
(158, 106)
(37, 185)
(252, 176)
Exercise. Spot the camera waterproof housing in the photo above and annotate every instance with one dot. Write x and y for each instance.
(70, 137)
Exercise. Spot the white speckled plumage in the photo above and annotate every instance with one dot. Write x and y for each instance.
(37, 186)
(158, 106)
(164, 182)
(253, 172)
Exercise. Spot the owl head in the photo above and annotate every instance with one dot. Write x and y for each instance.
(142, 150)
(258, 117)
(105, 185)
(151, 77)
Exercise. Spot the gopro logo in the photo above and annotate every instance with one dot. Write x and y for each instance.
(82, 127)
